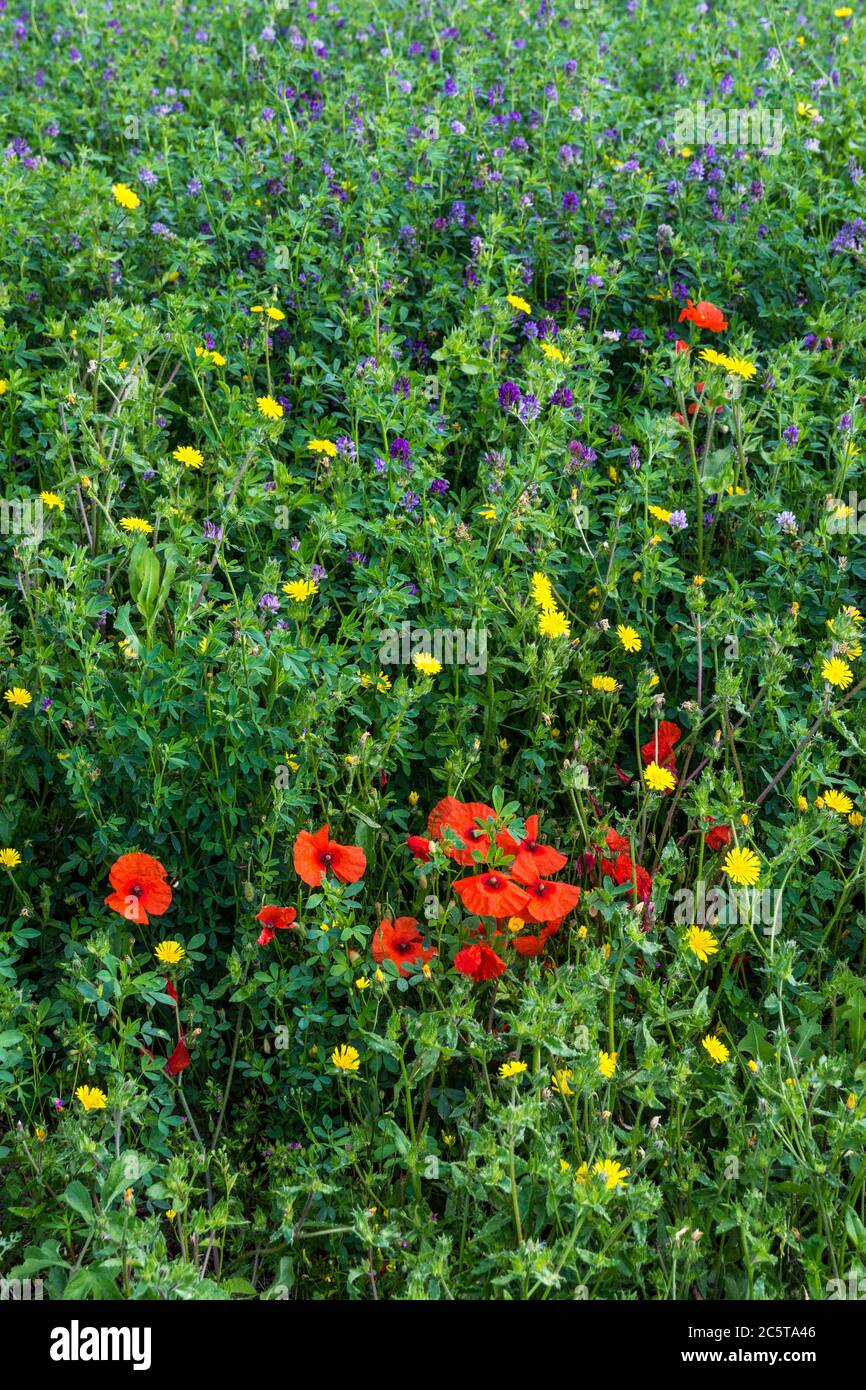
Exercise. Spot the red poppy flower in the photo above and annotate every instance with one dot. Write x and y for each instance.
(401, 942)
(170, 989)
(549, 901)
(531, 857)
(704, 315)
(274, 919)
(419, 846)
(624, 871)
(659, 749)
(316, 855)
(534, 945)
(718, 837)
(479, 962)
(179, 1059)
(492, 895)
(615, 841)
(460, 816)
(681, 346)
(140, 887)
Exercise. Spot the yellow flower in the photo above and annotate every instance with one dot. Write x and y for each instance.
(171, 1213)
(552, 623)
(560, 1082)
(511, 1069)
(659, 779)
(18, 696)
(169, 953)
(855, 819)
(362, 983)
(299, 590)
(517, 303)
(741, 366)
(552, 353)
(515, 924)
(41, 1134)
(487, 513)
(701, 942)
(752, 1064)
(9, 858)
(698, 581)
(659, 514)
(124, 195)
(136, 523)
(843, 12)
(564, 1165)
(4, 386)
(345, 1058)
(838, 802)
(742, 866)
(605, 683)
(91, 1097)
(271, 409)
(383, 684)
(851, 1102)
(802, 803)
(414, 798)
(804, 108)
(607, 1063)
(715, 359)
(541, 590)
(51, 500)
(187, 455)
(629, 638)
(613, 1173)
(837, 672)
(716, 1050)
(323, 446)
(427, 665)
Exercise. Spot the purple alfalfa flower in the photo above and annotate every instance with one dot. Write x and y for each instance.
(148, 474)
(399, 448)
(379, 465)
(211, 531)
(709, 518)
(562, 396)
(634, 457)
(269, 602)
(787, 522)
(161, 230)
(410, 501)
(285, 403)
(855, 170)
(570, 201)
(726, 84)
(790, 434)
(850, 236)
(45, 703)
(678, 520)
(439, 487)
(412, 588)
(581, 455)
(509, 395)
(846, 423)
(318, 573)
(528, 408)
(193, 187)
(295, 543)
(401, 387)
(147, 177)
(346, 447)
(357, 557)
(594, 282)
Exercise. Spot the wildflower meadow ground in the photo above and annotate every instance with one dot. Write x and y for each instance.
(432, 854)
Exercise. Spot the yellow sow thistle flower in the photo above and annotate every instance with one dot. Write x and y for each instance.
(855, 819)
(552, 353)
(802, 803)
(271, 409)
(838, 802)
(346, 1058)
(541, 590)
(18, 697)
(427, 665)
(9, 858)
(607, 684)
(169, 953)
(517, 303)
(124, 195)
(753, 1065)
(659, 514)
(362, 983)
(742, 866)
(51, 501)
(560, 1082)
(607, 1064)
(188, 456)
(509, 1070)
(837, 672)
(323, 446)
(613, 1173)
(552, 624)
(659, 779)
(91, 1097)
(715, 1049)
(275, 314)
(628, 637)
(4, 386)
(701, 943)
(299, 590)
(136, 524)
(487, 513)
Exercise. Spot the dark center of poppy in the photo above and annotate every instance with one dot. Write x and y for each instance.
(403, 946)
(493, 881)
(327, 860)
(135, 890)
(539, 889)
(474, 835)
(530, 845)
